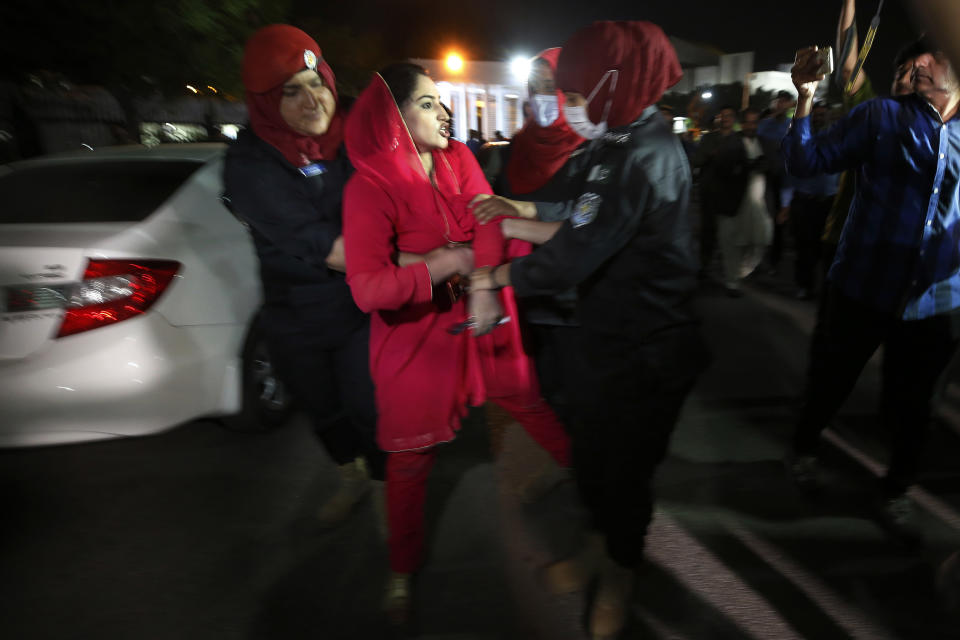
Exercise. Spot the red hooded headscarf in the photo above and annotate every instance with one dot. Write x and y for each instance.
(382, 150)
(537, 153)
(272, 56)
(645, 61)
(380, 146)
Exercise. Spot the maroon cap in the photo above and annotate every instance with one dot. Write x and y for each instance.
(274, 54)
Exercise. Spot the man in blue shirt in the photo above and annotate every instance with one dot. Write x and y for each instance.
(809, 206)
(895, 280)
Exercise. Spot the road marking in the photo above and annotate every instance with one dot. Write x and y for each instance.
(931, 503)
(679, 553)
(805, 319)
(826, 599)
(661, 629)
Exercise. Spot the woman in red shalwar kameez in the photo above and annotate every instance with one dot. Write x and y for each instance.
(409, 195)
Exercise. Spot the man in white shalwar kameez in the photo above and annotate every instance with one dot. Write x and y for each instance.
(744, 236)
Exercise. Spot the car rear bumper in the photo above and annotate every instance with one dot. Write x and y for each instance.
(134, 378)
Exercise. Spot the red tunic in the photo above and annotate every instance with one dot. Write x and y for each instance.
(424, 376)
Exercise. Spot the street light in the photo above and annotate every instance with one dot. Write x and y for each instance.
(706, 95)
(520, 66)
(454, 63)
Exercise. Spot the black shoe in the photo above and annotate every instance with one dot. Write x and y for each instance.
(806, 474)
(898, 515)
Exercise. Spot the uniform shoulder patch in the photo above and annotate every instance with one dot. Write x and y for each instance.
(585, 209)
(618, 138)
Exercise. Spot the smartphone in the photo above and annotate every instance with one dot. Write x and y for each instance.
(825, 61)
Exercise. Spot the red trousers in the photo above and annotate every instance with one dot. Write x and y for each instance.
(407, 473)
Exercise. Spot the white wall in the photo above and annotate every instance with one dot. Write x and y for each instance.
(734, 67)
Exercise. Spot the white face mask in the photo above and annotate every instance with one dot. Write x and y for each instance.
(546, 109)
(581, 124)
(577, 117)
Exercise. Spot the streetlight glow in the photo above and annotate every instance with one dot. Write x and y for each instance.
(706, 95)
(454, 62)
(520, 66)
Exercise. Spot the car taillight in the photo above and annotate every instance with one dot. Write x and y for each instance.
(114, 290)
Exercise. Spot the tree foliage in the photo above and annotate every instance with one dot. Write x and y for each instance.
(136, 44)
(353, 56)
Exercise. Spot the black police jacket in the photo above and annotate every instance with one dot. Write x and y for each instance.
(627, 243)
(294, 221)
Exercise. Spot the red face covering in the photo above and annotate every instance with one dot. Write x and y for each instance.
(537, 153)
(272, 56)
(645, 61)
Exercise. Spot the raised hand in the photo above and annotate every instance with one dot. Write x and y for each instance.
(804, 72)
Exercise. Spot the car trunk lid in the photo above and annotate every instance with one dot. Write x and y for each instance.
(38, 264)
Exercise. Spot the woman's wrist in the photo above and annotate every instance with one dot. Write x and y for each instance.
(506, 228)
(500, 276)
(484, 279)
(493, 278)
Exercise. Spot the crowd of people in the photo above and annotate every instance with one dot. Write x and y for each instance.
(403, 284)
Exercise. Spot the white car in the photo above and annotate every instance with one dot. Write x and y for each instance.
(129, 298)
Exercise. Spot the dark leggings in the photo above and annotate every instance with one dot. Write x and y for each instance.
(330, 380)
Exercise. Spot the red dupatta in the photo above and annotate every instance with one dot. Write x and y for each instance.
(537, 153)
(381, 149)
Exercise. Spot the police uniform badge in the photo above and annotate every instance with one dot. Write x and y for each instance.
(315, 169)
(310, 59)
(585, 210)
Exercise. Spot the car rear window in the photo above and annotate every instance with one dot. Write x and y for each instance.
(97, 191)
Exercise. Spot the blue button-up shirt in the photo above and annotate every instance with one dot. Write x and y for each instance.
(900, 248)
(772, 128)
(821, 186)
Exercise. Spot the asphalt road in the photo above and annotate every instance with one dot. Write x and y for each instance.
(205, 533)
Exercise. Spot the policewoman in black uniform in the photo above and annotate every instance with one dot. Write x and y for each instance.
(284, 178)
(627, 246)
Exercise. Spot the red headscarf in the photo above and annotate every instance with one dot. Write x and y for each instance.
(273, 55)
(639, 51)
(537, 153)
(380, 146)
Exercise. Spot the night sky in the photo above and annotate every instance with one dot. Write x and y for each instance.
(500, 29)
(95, 43)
